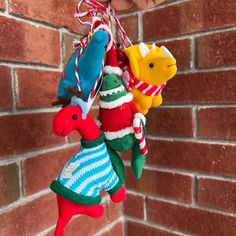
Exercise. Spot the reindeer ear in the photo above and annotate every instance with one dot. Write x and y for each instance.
(132, 53)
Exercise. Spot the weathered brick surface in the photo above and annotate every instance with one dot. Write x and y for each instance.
(117, 229)
(24, 133)
(30, 218)
(217, 193)
(36, 88)
(216, 50)
(138, 229)
(188, 17)
(201, 88)
(5, 88)
(200, 157)
(190, 220)
(58, 13)
(46, 167)
(9, 184)
(2, 4)
(130, 24)
(170, 122)
(160, 183)
(134, 206)
(114, 211)
(181, 50)
(23, 42)
(217, 123)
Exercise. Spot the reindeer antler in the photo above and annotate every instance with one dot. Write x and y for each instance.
(74, 92)
(62, 101)
(66, 101)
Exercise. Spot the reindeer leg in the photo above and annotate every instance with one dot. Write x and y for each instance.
(68, 209)
(120, 196)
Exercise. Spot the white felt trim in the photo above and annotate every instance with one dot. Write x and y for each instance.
(118, 102)
(112, 70)
(111, 91)
(119, 134)
(141, 117)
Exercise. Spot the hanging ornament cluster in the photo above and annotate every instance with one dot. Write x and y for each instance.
(129, 81)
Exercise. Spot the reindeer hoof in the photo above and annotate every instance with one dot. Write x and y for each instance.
(120, 196)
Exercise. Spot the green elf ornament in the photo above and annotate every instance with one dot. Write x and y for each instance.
(118, 114)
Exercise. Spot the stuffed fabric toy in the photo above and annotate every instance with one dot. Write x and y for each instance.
(86, 173)
(89, 66)
(146, 75)
(117, 113)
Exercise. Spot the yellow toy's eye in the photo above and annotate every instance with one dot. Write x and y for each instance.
(151, 65)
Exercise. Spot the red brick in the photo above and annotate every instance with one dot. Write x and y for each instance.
(46, 167)
(201, 88)
(190, 220)
(130, 24)
(170, 122)
(5, 88)
(160, 183)
(116, 230)
(181, 49)
(200, 157)
(27, 132)
(188, 17)
(134, 206)
(217, 193)
(58, 13)
(9, 184)
(2, 4)
(37, 88)
(31, 218)
(217, 123)
(114, 210)
(23, 42)
(139, 229)
(216, 50)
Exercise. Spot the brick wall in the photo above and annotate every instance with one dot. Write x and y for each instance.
(35, 40)
(189, 181)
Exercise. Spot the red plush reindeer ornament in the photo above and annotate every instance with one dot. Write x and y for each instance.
(79, 183)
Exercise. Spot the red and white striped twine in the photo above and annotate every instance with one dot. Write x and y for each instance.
(138, 121)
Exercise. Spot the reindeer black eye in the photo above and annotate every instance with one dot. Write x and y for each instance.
(74, 117)
(151, 65)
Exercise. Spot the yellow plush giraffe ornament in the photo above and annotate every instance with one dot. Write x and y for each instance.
(149, 69)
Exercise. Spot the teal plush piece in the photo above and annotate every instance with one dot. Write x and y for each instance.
(89, 66)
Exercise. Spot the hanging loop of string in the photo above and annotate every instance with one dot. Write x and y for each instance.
(95, 8)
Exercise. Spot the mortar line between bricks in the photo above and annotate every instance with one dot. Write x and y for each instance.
(32, 22)
(193, 53)
(145, 208)
(195, 122)
(187, 139)
(163, 5)
(207, 70)
(14, 89)
(186, 172)
(195, 190)
(46, 231)
(156, 226)
(110, 226)
(20, 174)
(200, 106)
(30, 66)
(199, 207)
(140, 27)
(8, 3)
(195, 34)
(33, 154)
(30, 111)
(23, 201)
